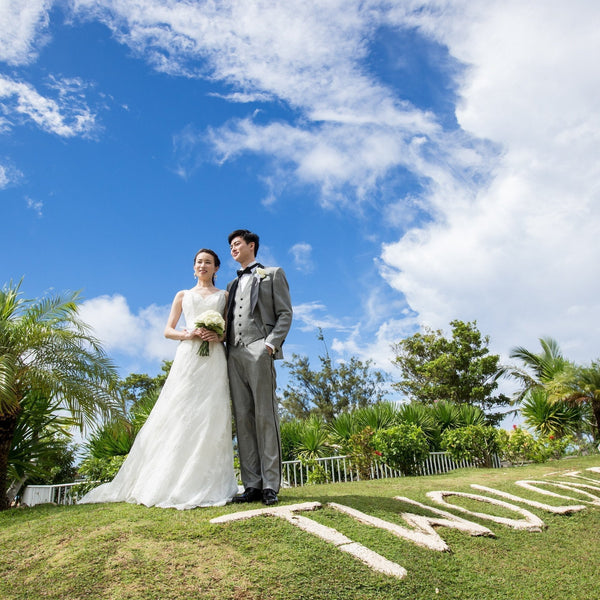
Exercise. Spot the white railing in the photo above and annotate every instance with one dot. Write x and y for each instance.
(333, 468)
(43, 494)
(338, 468)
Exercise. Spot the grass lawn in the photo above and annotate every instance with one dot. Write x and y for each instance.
(121, 551)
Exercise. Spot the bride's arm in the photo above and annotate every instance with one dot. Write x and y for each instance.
(176, 309)
(226, 312)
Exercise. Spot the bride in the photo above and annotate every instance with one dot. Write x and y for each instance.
(183, 455)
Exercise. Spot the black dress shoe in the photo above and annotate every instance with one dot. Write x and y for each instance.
(269, 497)
(249, 495)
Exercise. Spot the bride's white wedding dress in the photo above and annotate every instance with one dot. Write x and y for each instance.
(183, 455)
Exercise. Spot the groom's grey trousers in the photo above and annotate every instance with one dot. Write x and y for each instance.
(252, 382)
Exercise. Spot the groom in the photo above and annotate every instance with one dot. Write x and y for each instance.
(259, 316)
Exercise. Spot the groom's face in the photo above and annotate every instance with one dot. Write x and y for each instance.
(241, 251)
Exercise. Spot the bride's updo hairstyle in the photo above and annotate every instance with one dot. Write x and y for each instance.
(213, 254)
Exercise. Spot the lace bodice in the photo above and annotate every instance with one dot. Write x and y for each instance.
(194, 305)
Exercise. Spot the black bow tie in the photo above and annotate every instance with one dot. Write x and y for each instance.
(248, 270)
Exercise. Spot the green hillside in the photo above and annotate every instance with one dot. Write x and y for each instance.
(122, 551)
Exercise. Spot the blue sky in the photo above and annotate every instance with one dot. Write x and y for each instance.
(407, 163)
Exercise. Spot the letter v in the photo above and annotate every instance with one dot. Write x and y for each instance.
(424, 534)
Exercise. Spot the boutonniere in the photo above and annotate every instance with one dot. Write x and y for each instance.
(261, 273)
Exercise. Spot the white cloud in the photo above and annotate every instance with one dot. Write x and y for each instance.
(22, 29)
(36, 207)
(302, 253)
(311, 56)
(122, 331)
(512, 239)
(518, 255)
(8, 174)
(308, 315)
(66, 116)
(512, 236)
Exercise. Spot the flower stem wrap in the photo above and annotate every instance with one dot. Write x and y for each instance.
(212, 320)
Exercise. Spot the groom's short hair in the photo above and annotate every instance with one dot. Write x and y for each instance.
(247, 236)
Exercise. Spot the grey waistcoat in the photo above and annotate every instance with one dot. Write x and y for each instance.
(244, 327)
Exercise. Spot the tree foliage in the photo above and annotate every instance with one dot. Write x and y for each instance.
(580, 386)
(538, 369)
(41, 451)
(110, 442)
(332, 390)
(137, 386)
(547, 378)
(46, 348)
(458, 369)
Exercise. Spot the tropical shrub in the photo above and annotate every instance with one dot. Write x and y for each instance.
(340, 430)
(474, 443)
(290, 433)
(422, 416)
(377, 416)
(556, 447)
(519, 446)
(361, 452)
(470, 415)
(445, 414)
(41, 450)
(46, 349)
(313, 441)
(317, 473)
(403, 447)
(97, 471)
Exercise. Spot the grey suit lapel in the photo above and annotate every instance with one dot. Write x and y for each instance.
(253, 292)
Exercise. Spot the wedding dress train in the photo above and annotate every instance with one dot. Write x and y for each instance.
(183, 455)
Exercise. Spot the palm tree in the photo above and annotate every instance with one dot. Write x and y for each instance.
(552, 417)
(40, 435)
(46, 348)
(581, 385)
(539, 369)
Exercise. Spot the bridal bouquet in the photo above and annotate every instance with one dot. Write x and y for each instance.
(213, 320)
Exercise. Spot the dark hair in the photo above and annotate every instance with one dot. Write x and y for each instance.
(247, 236)
(213, 254)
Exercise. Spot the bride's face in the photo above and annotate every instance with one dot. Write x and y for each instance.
(204, 266)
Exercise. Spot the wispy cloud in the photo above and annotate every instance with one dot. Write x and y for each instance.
(67, 115)
(35, 206)
(509, 195)
(9, 174)
(23, 29)
(310, 317)
(302, 254)
(351, 130)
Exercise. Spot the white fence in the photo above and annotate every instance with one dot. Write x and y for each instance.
(333, 468)
(43, 494)
(338, 468)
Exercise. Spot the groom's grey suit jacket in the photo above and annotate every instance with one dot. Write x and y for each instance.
(262, 310)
